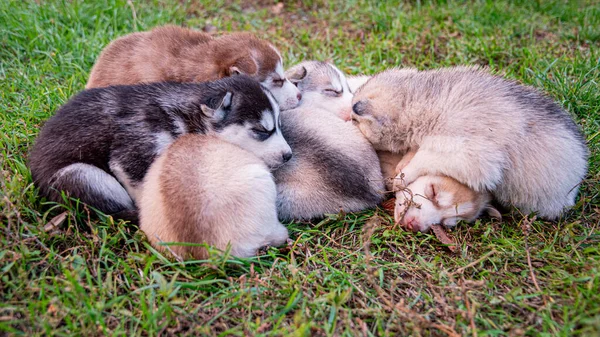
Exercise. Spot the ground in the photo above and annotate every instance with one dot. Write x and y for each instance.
(350, 274)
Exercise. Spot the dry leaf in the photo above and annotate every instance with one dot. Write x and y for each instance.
(440, 234)
(55, 222)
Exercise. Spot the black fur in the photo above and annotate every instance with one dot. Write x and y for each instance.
(118, 124)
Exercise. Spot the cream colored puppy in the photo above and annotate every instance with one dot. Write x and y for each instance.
(205, 190)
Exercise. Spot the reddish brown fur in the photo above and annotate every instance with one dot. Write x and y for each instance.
(172, 53)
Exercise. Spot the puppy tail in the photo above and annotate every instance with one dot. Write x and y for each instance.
(92, 186)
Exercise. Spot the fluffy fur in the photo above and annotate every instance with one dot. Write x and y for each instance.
(99, 145)
(171, 53)
(194, 192)
(486, 132)
(334, 167)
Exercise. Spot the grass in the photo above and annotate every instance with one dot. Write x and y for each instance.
(347, 275)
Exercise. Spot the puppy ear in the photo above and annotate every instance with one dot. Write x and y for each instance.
(206, 110)
(226, 102)
(221, 111)
(234, 71)
(296, 74)
(493, 212)
(243, 65)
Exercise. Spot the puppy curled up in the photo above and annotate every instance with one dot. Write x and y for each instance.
(177, 54)
(206, 190)
(99, 145)
(485, 132)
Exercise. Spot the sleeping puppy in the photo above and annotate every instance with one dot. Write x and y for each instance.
(176, 54)
(334, 167)
(432, 199)
(99, 146)
(323, 86)
(486, 132)
(203, 189)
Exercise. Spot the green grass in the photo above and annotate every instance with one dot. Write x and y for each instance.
(342, 276)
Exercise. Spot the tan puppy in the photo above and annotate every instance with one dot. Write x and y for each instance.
(206, 190)
(432, 199)
(177, 54)
(483, 131)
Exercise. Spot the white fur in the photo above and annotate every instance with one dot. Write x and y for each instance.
(287, 95)
(268, 120)
(162, 140)
(132, 189)
(340, 105)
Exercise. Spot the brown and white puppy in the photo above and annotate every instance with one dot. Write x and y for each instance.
(323, 86)
(431, 200)
(176, 54)
(486, 132)
(206, 190)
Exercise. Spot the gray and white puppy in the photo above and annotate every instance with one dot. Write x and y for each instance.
(486, 132)
(334, 167)
(99, 145)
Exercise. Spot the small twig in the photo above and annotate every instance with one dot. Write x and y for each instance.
(474, 263)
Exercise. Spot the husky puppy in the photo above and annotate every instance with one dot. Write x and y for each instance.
(194, 192)
(486, 132)
(171, 53)
(431, 200)
(323, 86)
(99, 145)
(334, 167)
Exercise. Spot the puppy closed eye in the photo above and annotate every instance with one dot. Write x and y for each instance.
(430, 192)
(262, 134)
(278, 82)
(333, 92)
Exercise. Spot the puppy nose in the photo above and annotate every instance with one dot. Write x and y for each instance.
(287, 156)
(410, 223)
(299, 96)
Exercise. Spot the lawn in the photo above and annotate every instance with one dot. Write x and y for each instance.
(347, 275)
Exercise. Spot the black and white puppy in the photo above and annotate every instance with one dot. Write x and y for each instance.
(99, 146)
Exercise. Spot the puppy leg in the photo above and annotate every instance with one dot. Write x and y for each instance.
(479, 165)
(92, 186)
